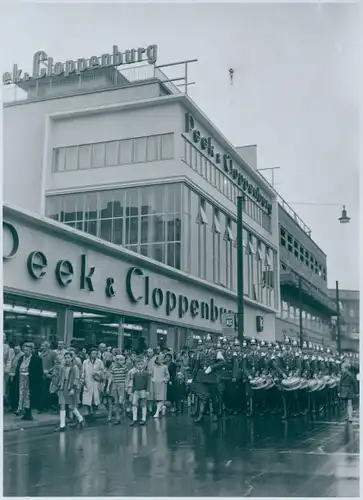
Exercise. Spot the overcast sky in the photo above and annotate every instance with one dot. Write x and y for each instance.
(295, 91)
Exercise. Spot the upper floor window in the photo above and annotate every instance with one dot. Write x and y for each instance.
(113, 153)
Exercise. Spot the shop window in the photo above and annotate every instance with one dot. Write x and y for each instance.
(98, 154)
(85, 156)
(140, 150)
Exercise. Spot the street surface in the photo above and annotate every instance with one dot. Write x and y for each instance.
(173, 457)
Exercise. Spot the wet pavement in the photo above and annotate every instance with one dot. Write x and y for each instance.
(263, 457)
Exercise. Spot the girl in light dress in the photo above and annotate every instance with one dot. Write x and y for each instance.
(159, 379)
(68, 390)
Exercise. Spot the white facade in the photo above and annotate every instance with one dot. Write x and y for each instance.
(119, 147)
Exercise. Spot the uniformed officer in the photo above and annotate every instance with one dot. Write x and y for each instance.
(205, 377)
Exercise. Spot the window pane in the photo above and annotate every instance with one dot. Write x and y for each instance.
(91, 206)
(140, 150)
(84, 156)
(171, 254)
(118, 203)
(177, 255)
(167, 146)
(112, 153)
(71, 158)
(126, 152)
(59, 159)
(118, 231)
(90, 227)
(105, 205)
(52, 207)
(69, 203)
(106, 229)
(157, 252)
(173, 198)
(132, 202)
(98, 154)
(132, 230)
(153, 148)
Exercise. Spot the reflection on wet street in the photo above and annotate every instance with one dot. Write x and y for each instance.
(174, 457)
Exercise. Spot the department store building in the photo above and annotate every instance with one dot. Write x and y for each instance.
(117, 166)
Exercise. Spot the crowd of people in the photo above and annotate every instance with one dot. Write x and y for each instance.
(217, 377)
(76, 382)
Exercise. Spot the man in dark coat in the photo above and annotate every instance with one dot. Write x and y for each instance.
(348, 388)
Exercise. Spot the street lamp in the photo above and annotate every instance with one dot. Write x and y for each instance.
(344, 219)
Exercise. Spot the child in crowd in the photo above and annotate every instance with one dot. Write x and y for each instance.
(159, 379)
(180, 391)
(106, 396)
(116, 386)
(128, 384)
(139, 385)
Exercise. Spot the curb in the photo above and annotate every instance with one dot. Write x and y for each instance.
(38, 425)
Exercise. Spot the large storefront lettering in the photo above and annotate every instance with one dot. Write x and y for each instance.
(138, 285)
(170, 301)
(225, 160)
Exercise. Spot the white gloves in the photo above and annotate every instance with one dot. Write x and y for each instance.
(208, 370)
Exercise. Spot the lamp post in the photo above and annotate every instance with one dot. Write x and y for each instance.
(240, 292)
(338, 316)
(343, 219)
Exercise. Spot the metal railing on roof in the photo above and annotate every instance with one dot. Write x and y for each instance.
(101, 79)
(290, 211)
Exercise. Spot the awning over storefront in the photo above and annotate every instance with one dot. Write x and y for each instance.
(311, 295)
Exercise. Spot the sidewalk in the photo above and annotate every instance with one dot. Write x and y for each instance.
(14, 423)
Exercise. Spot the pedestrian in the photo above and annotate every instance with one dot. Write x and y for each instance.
(171, 388)
(131, 369)
(21, 378)
(117, 387)
(14, 382)
(27, 372)
(180, 392)
(61, 350)
(159, 379)
(140, 384)
(150, 360)
(8, 356)
(92, 377)
(348, 389)
(54, 383)
(48, 358)
(69, 380)
(105, 394)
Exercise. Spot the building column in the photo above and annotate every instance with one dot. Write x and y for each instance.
(65, 325)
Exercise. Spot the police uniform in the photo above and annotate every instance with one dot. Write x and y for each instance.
(205, 379)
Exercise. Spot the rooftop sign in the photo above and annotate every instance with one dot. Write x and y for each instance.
(70, 67)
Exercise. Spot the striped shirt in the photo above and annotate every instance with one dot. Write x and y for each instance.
(119, 373)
